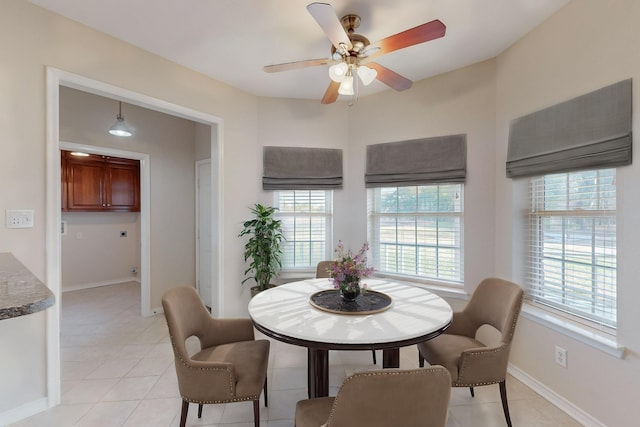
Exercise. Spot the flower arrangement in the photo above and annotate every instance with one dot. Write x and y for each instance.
(347, 269)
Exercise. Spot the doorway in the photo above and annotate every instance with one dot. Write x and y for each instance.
(100, 247)
(55, 79)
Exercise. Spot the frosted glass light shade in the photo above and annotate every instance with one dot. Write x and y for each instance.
(338, 72)
(346, 87)
(366, 74)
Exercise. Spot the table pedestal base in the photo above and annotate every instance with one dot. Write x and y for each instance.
(318, 368)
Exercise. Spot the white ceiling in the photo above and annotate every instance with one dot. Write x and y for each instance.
(231, 40)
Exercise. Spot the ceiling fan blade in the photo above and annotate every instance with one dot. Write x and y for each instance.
(296, 65)
(326, 17)
(416, 35)
(331, 94)
(390, 78)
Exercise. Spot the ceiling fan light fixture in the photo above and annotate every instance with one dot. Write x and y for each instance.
(367, 75)
(120, 128)
(346, 87)
(350, 49)
(338, 72)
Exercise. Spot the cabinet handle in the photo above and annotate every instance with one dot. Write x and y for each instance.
(103, 204)
(108, 204)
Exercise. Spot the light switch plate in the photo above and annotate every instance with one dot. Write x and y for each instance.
(22, 218)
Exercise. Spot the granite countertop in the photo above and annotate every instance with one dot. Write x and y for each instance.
(20, 291)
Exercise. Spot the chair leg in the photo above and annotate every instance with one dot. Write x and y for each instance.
(420, 360)
(266, 397)
(505, 405)
(256, 413)
(183, 414)
(200, 410)
(473, 394)
(373, 352)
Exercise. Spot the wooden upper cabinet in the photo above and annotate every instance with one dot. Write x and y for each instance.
(85, 185)
(123, 180)
(100, 183)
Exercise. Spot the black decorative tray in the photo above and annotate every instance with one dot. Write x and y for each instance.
(368, 302)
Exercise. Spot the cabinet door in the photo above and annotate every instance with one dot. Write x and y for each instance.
(123, 180)
(86, 185)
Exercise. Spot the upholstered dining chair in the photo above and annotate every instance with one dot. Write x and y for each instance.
(471, 363)
(323, 271)
(231, 365)
(382, 398)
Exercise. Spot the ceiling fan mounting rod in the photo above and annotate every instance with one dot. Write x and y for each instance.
(350, 22)
(352, 61)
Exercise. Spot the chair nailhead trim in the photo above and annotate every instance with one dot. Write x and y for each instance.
(499, 349)
(185, 364)
(235, 399)
(503, 347)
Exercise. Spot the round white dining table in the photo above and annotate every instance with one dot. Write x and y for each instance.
(286, 314)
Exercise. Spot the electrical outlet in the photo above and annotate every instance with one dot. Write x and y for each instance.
(561, 356)
(19, 218)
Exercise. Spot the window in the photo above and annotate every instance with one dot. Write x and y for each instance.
(306, 217)
(572, 244)
(417, 231)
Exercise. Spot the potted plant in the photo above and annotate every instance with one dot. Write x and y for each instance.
(262, 250)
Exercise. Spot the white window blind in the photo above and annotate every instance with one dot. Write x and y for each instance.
(417, 231)
(306, 217)
(572, 244)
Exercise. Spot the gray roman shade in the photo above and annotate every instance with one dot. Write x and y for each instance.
(590, 131)
(417, 161)
(298, 168)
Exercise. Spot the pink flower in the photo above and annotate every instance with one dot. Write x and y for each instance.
(347, 269)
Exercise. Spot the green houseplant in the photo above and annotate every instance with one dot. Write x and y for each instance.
(262, 250)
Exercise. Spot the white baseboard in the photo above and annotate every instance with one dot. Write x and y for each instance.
(563, 404)
(98, 284)
(23, 411)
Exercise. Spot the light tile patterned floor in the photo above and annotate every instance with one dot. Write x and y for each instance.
(117, 370)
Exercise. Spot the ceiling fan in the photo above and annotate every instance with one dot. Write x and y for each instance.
(352, 54)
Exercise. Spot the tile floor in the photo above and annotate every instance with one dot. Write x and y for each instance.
(117, 370)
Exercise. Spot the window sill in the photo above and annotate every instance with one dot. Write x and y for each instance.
(581, 333)
(293, 276)
(442, 290)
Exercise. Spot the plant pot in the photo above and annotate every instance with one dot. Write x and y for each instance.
(255, 290)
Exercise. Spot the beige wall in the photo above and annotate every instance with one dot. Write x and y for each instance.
(587, 45)
(303, 123)
(31, 39)
(459, 102)
(94, 253)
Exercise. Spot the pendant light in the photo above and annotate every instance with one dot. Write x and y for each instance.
(120, 128)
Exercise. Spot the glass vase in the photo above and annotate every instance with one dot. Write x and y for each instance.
(350, 291)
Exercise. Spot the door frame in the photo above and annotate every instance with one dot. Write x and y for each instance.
(54, 79)
(214, 304)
